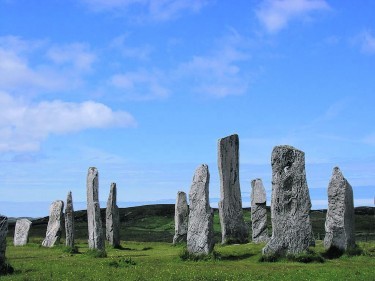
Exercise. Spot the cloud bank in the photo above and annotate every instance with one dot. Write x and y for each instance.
(24, 125)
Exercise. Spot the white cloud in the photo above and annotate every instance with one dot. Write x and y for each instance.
(77, 55)
(276, 14)
(367, 42)
(24, 125)
(161, 10)
(219, 73)
(58, 68)
(141, 84)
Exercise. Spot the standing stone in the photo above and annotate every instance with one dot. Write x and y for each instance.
(290, 203)
(113, 218)
(94, 222)
(3, 239)
(181, 218)
(54, 227)
(200, 236)
(258, 211)
(233, 227)
(69, 221)
(21, 232)
(339, 224)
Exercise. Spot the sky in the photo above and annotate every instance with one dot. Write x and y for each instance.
(143, 90)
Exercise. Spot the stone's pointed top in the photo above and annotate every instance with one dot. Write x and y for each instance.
(201, 173)
(258, 193)
(286, 148)
(113, 190)
(181, 194)
(93, 170)
(233, 136)
(336, 172)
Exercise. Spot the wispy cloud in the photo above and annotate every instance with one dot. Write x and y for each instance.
(366, 42)
(141, 84)
(219, 73)
(24, 125)
(161, 10)
(275, 15)
(139, 52)
(58, 67)
(77, 55)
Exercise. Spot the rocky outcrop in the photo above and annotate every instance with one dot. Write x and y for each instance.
(21, 232)
(339, 224)
(290, 203)
(94, 222)
(181, 218)
(258, 212)
(200, 236)
(69, 221)
(112, 218)
(233, 227)
(54, 226)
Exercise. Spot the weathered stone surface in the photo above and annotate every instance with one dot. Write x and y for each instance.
(69, 221)
(21, 232)
(339, 224)
(3, 238)
(113, 218)
(94, 222)
(233, 227)
(181, 218)
(200, 236)
(258, 211)
(54, 227)
(290, 203)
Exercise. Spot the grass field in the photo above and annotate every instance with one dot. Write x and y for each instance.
(160, 261)
(147, 254)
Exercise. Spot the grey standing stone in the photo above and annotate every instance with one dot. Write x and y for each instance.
(339, 224)
(233, 227)
(94, 222)
(200, 236)
(69, 221)
(21, 232)
(290, 203)
(258, 211)
(3, 238)
(113, 218)
(54, 226)
(181, 218)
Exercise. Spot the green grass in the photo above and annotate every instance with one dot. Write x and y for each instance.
(146, 253)
(161, 261)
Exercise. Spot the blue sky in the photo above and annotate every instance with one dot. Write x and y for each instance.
(143, 90)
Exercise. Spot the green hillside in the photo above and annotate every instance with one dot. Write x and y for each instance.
(155, 223)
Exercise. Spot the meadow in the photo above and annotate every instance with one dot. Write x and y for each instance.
(146, 253)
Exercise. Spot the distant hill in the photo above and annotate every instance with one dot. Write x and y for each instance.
(156, 223)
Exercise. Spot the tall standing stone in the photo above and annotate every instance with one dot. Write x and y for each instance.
(258, 211)
(200, 236)
(94, 222)
(21, 232)
(290, 203)
(339, 224)
(181, 218)
(233, 227)
(113, 218)
(3, 239)
(54, 226)
(69, 221)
